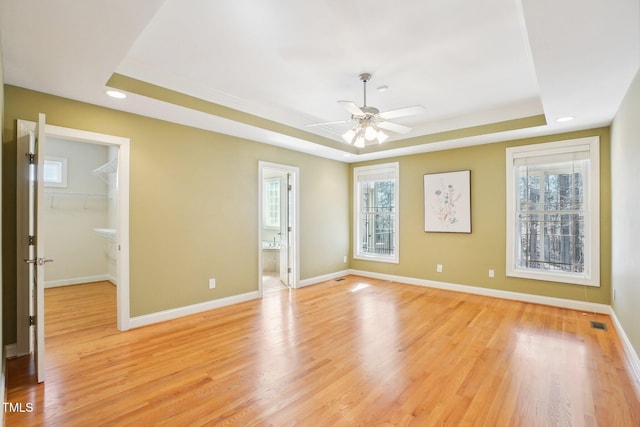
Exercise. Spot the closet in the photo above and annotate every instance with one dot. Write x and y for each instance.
(80, 212)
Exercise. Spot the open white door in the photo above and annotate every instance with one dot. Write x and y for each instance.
(25, 223)
(285, 228)
(30, 248)
(37, 259)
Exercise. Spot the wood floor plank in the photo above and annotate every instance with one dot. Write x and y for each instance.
(352, 352)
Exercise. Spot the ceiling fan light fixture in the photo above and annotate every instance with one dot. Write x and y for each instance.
(381, 137)
(369, 121)
(370, 133)
(348, 136)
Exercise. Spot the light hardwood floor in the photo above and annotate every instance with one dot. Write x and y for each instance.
(341, 353)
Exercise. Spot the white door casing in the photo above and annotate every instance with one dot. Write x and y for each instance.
(293, 237)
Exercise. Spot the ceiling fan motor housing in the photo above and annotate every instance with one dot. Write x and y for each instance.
(369, 111)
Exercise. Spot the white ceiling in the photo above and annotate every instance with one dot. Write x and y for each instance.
(468, 62)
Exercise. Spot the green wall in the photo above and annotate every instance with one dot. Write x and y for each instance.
(466, 258)
(193, 210)
(193, 204)
(625, 176)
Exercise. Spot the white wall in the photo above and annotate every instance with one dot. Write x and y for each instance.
(625, 205)
(72, 213)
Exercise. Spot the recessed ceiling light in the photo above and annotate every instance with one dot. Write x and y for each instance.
(565, 119)
(116, 94)
(382, 88)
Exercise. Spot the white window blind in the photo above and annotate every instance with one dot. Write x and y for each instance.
(553, 211)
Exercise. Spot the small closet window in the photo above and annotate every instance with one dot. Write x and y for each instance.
(55, 172)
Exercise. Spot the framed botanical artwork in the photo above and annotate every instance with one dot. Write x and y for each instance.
(447, 202)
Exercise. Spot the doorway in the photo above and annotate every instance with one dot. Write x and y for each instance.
(53, 183)
(278, 227)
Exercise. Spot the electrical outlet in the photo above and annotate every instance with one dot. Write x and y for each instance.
(345, 259)
(439, 268)
(212, 283)
(492, 273)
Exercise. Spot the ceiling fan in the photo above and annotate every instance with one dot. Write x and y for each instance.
(370, 123)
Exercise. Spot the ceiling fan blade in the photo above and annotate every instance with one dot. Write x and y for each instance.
(352, 108)
(393, 127)
(329, 123)
(403, 112)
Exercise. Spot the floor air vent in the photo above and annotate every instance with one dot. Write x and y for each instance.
(340, 279)
(598, 325)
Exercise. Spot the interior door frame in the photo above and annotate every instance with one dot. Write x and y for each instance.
(294, 172)
(122, 222)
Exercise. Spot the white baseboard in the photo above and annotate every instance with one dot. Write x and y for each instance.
(174, 313)
(323, 278)
(79, 280)
(630, 352)
(10, 350)
(496, 293)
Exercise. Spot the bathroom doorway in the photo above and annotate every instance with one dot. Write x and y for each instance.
(278, 244)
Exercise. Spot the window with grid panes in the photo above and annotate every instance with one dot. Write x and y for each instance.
(376, 193)
(553, 211)
(272, 203)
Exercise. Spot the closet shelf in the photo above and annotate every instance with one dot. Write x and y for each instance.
(109, 167)
(109, 233)
(74, 194)
(106, 169)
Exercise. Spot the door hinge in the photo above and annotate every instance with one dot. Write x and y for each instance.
(32, 158)
(32, 240)
(290, 187)
(289, 229)
(289, 270)
(32, 320)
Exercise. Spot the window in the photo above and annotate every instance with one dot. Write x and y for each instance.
(55, 172)
(272, 203)
(376, 212)
(553, 205)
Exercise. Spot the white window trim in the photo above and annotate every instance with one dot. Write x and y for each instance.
(375, 170)
(591, 276)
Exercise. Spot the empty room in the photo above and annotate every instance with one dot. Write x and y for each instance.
(333, 213)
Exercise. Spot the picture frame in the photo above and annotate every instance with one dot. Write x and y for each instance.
(447, 202)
